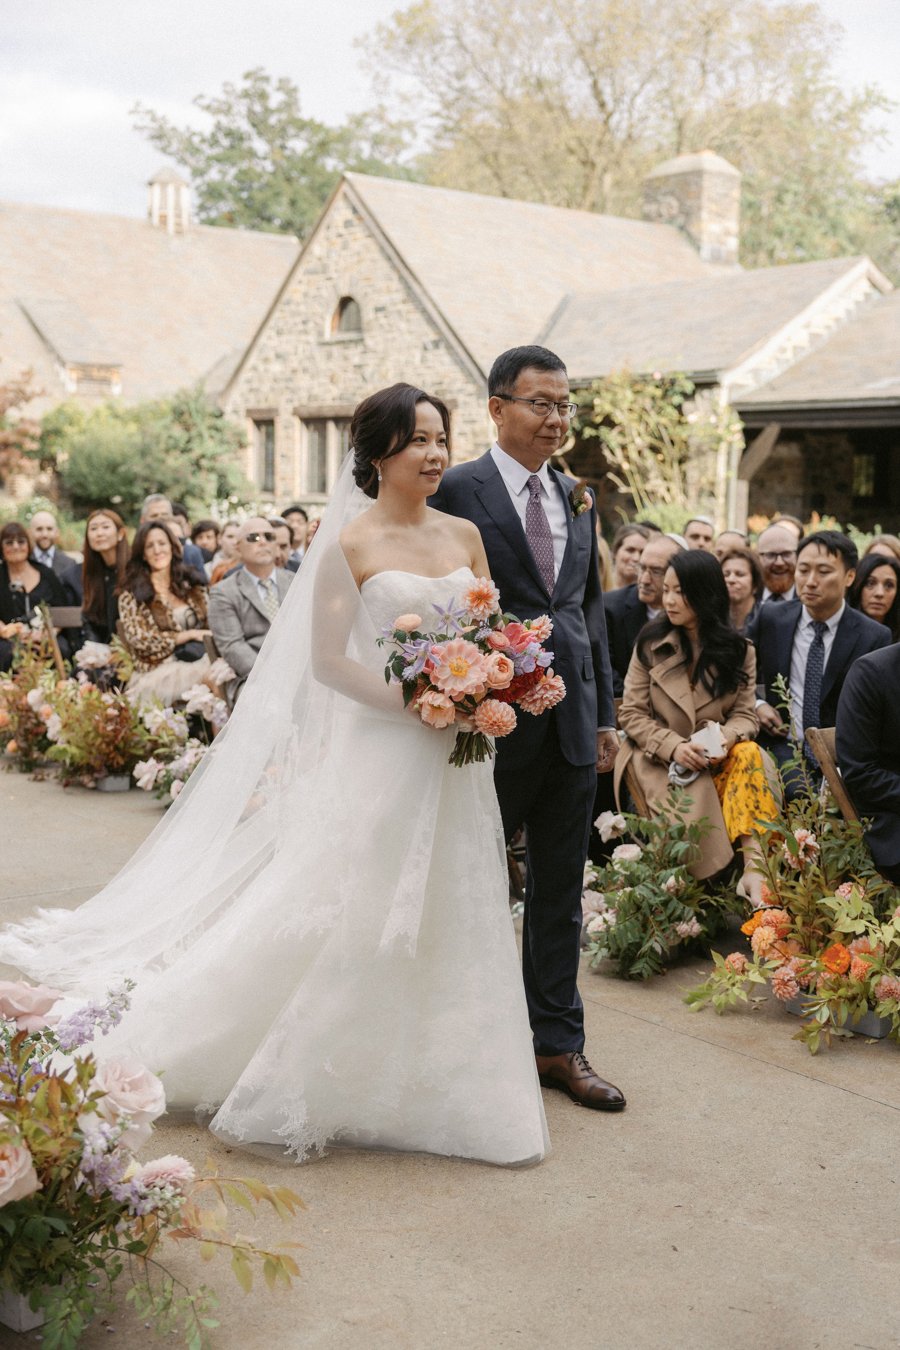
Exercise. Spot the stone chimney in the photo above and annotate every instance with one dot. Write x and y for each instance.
(169, 202)
(701, 194)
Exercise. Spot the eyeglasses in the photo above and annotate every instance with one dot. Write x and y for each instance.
(255, 535)
(784, 555)
(542, 407)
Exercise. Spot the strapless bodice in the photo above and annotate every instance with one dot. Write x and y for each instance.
(389, 594)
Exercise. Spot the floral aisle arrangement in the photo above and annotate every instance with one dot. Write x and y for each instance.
(165, 772)
(827, 941)
(25, 706)
(471, 672)
(95, 732)
(77, 1208)
(644, 904)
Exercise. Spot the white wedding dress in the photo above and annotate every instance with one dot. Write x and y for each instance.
(350, 977)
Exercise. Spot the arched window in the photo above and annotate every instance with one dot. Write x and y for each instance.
(347, 317)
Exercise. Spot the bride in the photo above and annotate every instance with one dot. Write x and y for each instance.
(319, 929)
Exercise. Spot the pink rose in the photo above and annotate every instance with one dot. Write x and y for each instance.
(28, 1005)
(133, 1095)
(408, 623)
(168, 1171)
(176, 788)
(500, 671)
(435, 709)
(498, 640)
(518, 637)
(18, 1179)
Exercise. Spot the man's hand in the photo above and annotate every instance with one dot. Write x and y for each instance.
(607, 749)
(770, 720)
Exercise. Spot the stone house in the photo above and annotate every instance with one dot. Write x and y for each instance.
(403, 281)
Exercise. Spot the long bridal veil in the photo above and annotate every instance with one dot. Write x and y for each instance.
(272, 769)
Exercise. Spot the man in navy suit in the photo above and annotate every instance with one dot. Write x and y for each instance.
(868, 751)
(541, 543)
(812, 642)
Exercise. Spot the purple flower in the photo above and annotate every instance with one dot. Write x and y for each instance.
(85, 1022)
(416, 654)
(450, 618)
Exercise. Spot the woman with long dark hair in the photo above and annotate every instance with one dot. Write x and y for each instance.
(103, 571)
(162, 604)
(24, 585)
(691, 668)
(876, 591)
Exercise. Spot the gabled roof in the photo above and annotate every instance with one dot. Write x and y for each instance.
(858, 364)
(497, 268)
(89, 288)
(702, 325)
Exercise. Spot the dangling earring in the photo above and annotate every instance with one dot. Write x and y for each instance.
(379, 475)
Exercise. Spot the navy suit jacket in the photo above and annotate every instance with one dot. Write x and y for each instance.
(625, 617)
(868, 748)
(476, 491)
(773, 635)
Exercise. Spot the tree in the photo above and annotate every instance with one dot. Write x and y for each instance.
(19, 434)
(261, 164)
(666, 445)
(571, 102)
(117, 455)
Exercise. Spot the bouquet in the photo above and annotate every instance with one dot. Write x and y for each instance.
(471, 671)
(76, 1206)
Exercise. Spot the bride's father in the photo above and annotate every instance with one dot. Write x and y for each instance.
(541, 543)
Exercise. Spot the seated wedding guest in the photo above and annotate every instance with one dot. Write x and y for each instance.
(630, 607)
(867, 742)
(284, 543)
(887, 545)
(743, 579)
(24, 584)
(691, 668)
(158, 507)
(298, 520)
(242, 607)
(728, 540)
(162, 606)
(44, 532)
(811, 643)
(698, 533)
(776, 549)
(225, 556)
(627, 546)
(311, 529)
(205, 535)
(103, 571)
(876, 591)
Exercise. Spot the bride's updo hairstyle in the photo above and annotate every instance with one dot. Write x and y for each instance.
(383, 425)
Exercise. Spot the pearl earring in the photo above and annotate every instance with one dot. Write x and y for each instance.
(379, 475)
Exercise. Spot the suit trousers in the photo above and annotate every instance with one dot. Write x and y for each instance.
(554, 800)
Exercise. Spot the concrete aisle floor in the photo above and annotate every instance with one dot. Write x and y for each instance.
(748, 1197)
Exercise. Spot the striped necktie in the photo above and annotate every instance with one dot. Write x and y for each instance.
(270, 603)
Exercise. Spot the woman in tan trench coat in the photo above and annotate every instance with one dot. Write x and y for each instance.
(690, 667)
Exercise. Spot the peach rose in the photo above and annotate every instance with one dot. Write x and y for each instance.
(408, 623)
(133, 1095)
(500, 671)
(28, 1005)
(4, 718)
(435, 709)
(497, 640)
(12, 747)
(18, 1179)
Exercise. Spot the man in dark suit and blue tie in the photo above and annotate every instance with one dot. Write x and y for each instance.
(541, 543)
(812, 642)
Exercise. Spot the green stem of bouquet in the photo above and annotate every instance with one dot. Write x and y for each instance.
(472, 747)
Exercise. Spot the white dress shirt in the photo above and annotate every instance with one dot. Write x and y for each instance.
(515, 476)
(803, 640)
(45, 556)
(262, 584)
(786, 595)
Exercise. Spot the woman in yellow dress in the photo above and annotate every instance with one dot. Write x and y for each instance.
(691, 668)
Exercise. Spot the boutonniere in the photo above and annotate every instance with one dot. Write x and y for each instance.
(580, 500)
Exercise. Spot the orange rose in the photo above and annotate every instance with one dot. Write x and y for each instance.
(836, 958)
(12, 748)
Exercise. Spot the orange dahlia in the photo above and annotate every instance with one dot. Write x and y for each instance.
(836, 958)
(750, 927)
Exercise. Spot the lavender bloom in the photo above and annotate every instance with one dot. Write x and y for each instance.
(84, 1023)
(416, 654)
(450, 618)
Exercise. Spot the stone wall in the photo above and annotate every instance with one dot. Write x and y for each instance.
(299, 369)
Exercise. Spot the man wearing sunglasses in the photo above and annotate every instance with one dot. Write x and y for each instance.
(243, 605)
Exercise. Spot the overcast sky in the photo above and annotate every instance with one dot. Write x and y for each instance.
(70, 70)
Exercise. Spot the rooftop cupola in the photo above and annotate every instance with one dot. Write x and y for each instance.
(169, 202)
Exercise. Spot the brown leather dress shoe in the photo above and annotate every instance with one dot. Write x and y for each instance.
(573, 1075)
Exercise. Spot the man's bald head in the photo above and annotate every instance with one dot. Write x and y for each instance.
(256, 545)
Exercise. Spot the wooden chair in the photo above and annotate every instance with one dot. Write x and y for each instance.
(821, 743)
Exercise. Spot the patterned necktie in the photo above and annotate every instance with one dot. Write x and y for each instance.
(812, 681)
(539, 534)
(270, 603)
